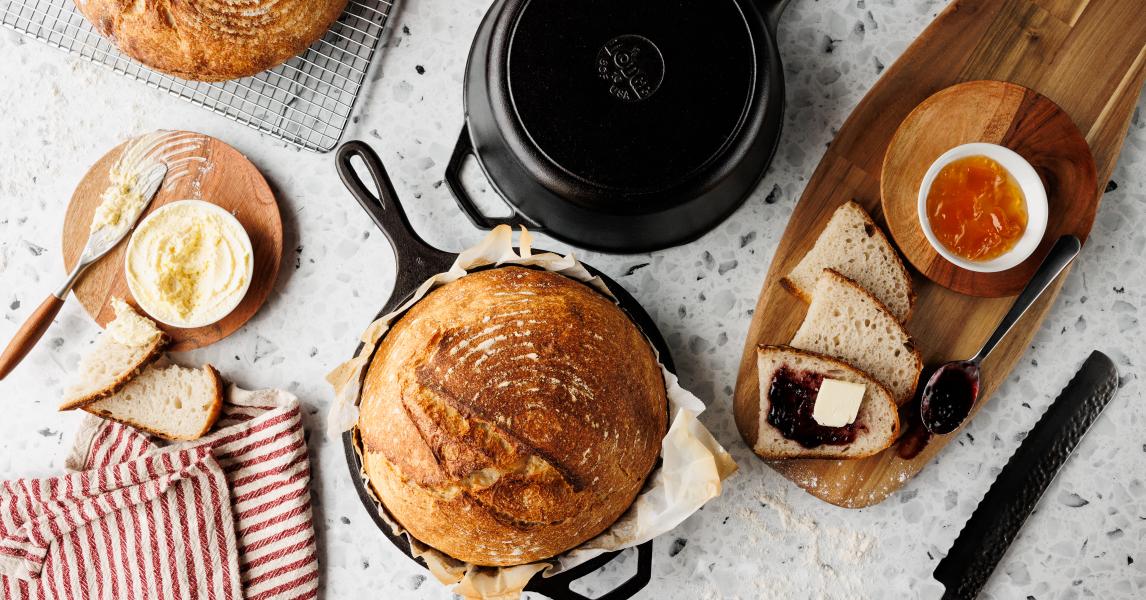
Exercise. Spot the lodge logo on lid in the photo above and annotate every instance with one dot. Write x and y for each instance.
(633, 67)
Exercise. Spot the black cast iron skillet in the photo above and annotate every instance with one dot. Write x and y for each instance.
(621, 125)
(416, 261)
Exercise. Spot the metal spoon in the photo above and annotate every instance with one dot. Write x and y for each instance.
(952, 390)
(99, 243)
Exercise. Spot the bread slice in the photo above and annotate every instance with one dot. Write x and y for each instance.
(847, 322)
(169, 401)
(129, 343)
(877, 422)
(855, 247)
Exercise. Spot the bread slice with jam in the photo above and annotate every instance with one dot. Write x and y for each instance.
(790, 381)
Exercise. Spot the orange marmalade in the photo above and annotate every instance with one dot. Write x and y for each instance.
(976, 209)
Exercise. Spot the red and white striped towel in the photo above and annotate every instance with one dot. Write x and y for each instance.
(225, 517)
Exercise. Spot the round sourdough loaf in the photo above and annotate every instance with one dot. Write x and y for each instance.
(212, 40)
(511, 415)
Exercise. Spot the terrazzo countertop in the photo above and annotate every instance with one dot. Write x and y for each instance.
(764, 538)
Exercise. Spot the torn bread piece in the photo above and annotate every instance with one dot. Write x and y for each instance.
(854, 246)
(847, 322)
(790, 382)
(169, 401)
(128, 344)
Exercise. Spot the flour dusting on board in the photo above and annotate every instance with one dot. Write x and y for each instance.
(840, 484)
(181, 151)
(133, 172)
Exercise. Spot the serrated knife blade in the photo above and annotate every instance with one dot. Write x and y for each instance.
(1003, 510)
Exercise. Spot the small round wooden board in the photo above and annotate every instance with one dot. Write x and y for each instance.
(208, 170)
(999, 113)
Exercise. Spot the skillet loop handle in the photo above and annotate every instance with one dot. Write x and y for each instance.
(557, 587)
(462, 150)
(382, 208)
(415, 260)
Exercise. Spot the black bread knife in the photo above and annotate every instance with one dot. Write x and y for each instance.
(1017, 489)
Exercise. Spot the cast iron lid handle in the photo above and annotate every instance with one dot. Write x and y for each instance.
(414, 259)
(462, 150)
(557, 587)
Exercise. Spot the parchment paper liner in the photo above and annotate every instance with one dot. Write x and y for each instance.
(693, 463)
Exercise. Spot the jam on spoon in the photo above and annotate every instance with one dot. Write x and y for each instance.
(949, 395)
(951, 392)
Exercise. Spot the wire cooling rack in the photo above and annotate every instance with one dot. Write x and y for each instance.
(306, 101)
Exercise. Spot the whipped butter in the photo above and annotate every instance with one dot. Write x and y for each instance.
(189, 263)
(119, 205)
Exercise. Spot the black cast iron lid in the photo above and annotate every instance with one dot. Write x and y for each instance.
(618, 96)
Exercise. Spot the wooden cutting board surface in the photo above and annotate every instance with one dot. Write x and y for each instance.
(1000, 113)
(1087, 56)
(208, 170)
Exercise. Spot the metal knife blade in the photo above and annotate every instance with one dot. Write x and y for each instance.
(1003, 510)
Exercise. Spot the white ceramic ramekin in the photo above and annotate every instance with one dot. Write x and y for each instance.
(220, 312)
(1033, 191)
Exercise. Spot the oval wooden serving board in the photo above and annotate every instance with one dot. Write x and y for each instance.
(208, 170)
(1087, 56)
(998, 113)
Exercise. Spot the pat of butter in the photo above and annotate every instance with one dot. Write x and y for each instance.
(838, 403)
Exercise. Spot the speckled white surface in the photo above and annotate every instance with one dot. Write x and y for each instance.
(764, 538)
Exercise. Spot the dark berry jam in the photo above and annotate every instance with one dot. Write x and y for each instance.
(791, 399)
(949, 396)
(914, 437)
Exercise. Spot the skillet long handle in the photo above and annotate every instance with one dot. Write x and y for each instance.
(415, 260)
(30, 333)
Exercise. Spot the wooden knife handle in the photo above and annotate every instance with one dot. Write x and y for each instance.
(30, 333)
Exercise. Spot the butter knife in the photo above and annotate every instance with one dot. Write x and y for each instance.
(98, 245)
(1001, 514)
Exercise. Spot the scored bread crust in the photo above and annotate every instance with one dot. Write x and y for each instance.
(212, 416)
(826, 450)
(788, 284)
(511, 415)
(914, 351)
(154, 351)
(212, 40)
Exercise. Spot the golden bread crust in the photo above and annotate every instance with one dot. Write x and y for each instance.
(511, 415)
(211, 40)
